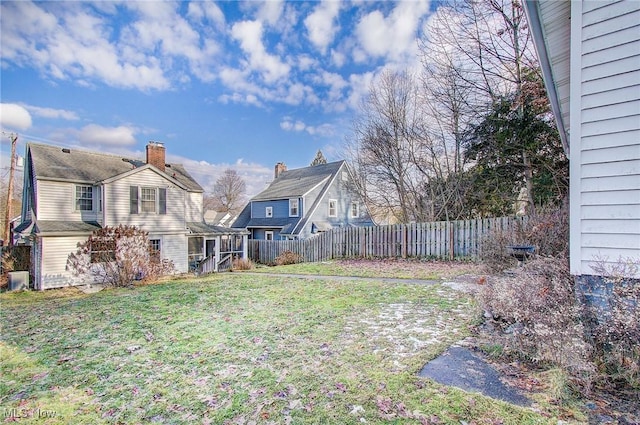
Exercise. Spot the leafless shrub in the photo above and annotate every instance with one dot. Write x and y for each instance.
(117, 256)
(287, 257)
(242, 264)
(547, 231)
(538, 309)
(7, 266)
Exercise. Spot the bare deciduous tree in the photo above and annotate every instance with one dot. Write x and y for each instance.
(383, 146)
(228, 193)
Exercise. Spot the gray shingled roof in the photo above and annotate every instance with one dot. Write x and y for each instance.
(59, 226)
(295, 183)
(205, 229)
(52, 163)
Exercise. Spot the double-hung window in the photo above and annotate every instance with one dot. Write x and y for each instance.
(147, 200)
(268, 212)
(84, 198)
(333, 208)
(293, 207)
(355, 210)
(154, 247)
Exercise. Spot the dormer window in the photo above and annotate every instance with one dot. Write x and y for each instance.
(293, 207)
(84, 198)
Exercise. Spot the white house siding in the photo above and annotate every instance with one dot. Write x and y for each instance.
(117, 203)
(54, 254)
(194, 207)
(174, 248)
(56, 201)
(605, 136)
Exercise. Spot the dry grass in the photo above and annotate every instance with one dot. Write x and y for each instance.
(238, 349)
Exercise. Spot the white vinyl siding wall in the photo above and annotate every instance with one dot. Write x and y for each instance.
(605, 136)
(55, 251)
(57, 201)
(194, 207)
(117, 205)
(174, 248)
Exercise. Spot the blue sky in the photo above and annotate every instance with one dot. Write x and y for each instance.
(240, 85)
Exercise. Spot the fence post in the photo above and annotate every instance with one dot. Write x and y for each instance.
(451, 240)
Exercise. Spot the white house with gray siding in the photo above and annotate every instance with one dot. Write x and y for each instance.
(590, 58)
(69, 193)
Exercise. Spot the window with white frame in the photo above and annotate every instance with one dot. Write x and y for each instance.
(293, 207)
(355, 210)
(268, 235)
(268, 212)
(333, 208)
(147, 199)
(154, 247)
(84, 198)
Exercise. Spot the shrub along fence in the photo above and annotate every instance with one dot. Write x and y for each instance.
(460, 239)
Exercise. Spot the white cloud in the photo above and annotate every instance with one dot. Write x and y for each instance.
(338, 58)
(249, 34)
(289, 124)
(52, 113)
(14, 117)
(73, 44)
(256, 176)
(359, 84)
(206, 12)
(71, 41)
(306, 62)
(321, 24)
(394, 36)
(94, 134)
(270, 11)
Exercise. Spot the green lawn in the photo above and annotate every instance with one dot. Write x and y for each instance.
(234, 348)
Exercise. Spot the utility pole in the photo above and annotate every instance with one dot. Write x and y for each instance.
(9, 210)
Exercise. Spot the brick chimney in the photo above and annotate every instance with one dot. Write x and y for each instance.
(156, 155)
(280, 167)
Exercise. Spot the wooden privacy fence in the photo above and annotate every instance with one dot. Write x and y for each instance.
(442, 239)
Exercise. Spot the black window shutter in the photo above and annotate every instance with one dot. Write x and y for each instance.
(162, 199)
(133, 199)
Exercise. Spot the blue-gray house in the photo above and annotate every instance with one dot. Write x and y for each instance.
(302, 202)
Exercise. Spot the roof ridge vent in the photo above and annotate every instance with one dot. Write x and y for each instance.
(66, 150)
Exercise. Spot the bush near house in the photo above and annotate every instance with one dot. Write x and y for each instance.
(117, 256)
(543, 319)
(288, 257)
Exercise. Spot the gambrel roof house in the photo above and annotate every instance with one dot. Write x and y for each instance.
(302, 202)
(590, 57)
(69, 193)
